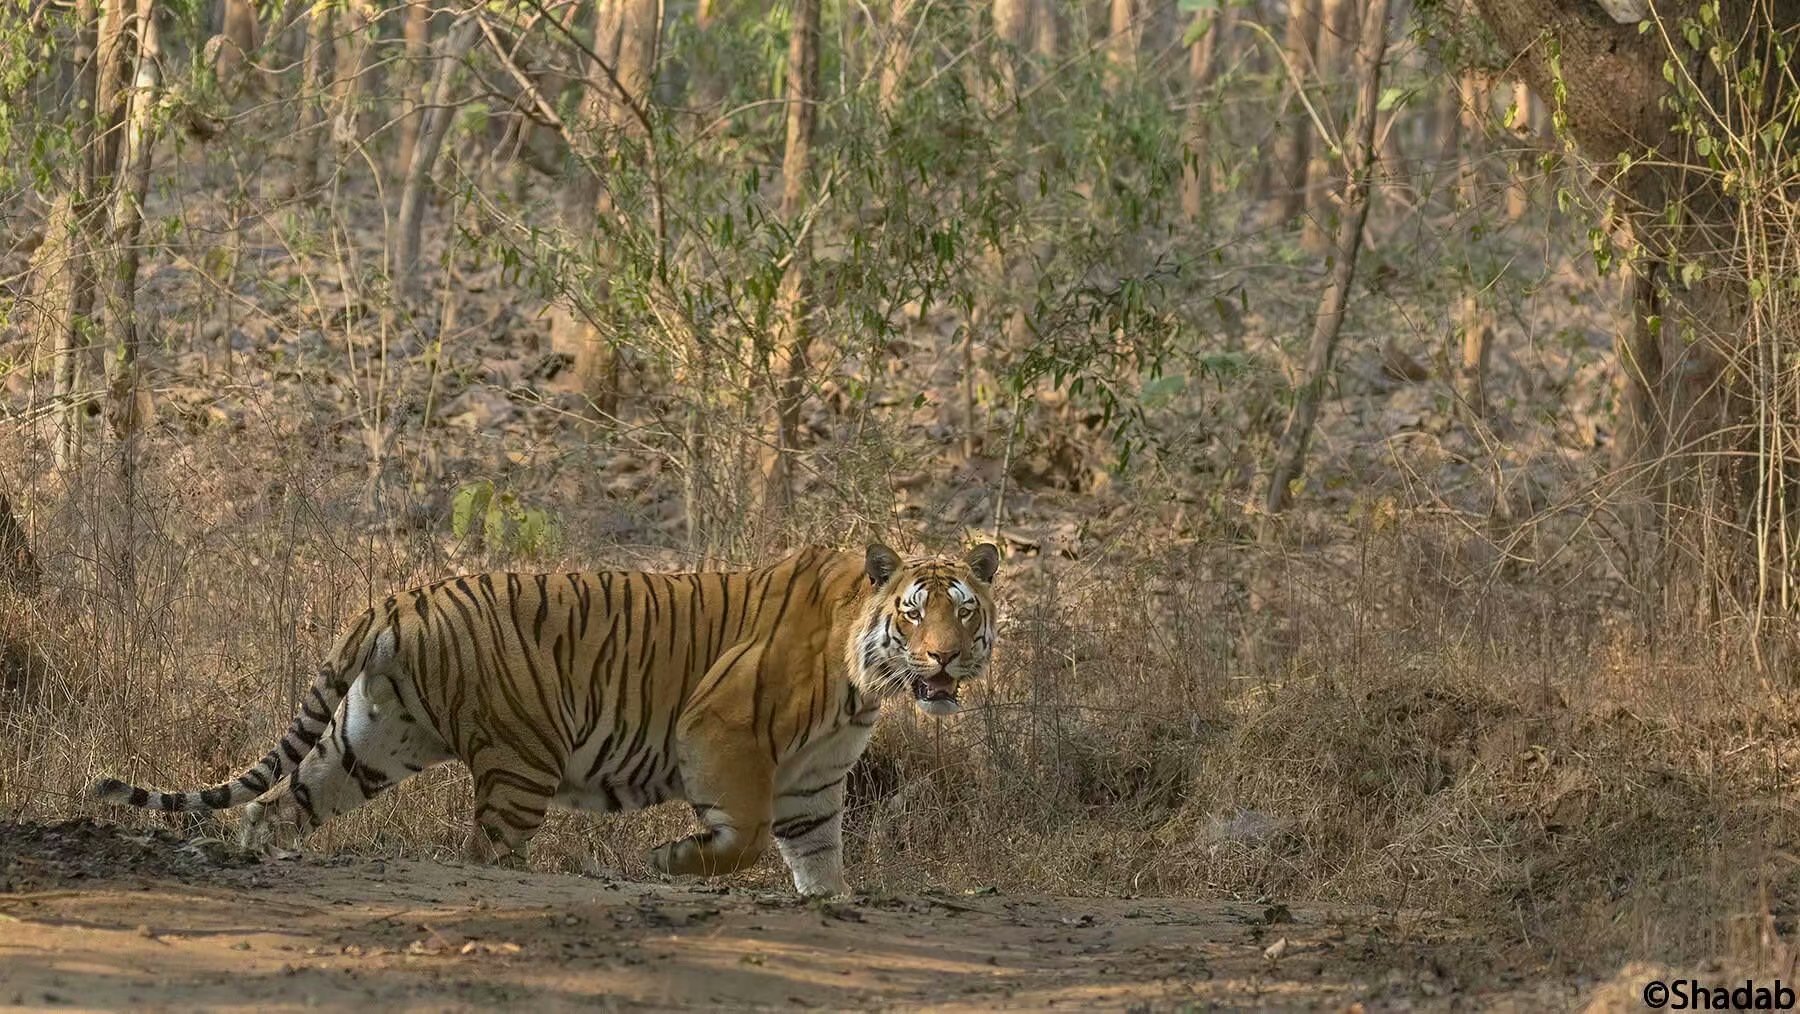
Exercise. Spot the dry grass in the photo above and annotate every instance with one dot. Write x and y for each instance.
(1382, 734)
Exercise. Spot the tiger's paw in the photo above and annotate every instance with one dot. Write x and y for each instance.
(663, 858)
(683, 857)
(265, 830)
(823, 889)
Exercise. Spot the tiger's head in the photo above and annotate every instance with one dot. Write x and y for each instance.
(928, 626)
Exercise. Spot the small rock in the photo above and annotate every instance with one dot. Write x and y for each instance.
(1275, 950)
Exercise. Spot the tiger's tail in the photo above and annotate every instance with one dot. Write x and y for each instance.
(313, 718)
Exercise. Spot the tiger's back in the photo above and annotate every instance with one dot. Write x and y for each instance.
(749, 694)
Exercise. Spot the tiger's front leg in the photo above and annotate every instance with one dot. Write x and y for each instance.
(809, 831)
(809, 806)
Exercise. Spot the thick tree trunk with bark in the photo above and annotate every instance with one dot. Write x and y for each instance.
(104, 55)
(354, 22)
(127, 218)
(1701, 411)
(1524, 127)
(1012, 30)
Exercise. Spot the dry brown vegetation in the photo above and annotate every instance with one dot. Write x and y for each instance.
(1444, 679)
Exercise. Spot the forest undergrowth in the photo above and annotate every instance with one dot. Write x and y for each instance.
(1437, 682)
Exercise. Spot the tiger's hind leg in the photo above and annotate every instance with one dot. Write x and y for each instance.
(726, 775)
(511, 796)
(373, 743)
(730, 787)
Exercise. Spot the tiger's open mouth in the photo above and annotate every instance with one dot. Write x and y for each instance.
(936, 695)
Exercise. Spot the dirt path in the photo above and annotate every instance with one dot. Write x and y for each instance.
(98, 917)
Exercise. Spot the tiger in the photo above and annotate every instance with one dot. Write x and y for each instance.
(747, 694)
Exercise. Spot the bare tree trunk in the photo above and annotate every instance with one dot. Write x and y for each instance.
(1640, 449)
(1012, 28)
(1294, 140)
(309, 133)
(1013, 31)
(1391, 136)
(236, 44)
(896, 55)
(1204, 57)
(1121, 42)
(416, 30)
(1334, 26)
(1047, 40)
(1477, 324)
(639, 47)
(787, 364)
(350, 62)
(1518, 194)
(627, 37)
(434, 124)
(128, 405)
(355, 22)
(635, 30)
(127, 217)
(73, 219)
(1359, 160)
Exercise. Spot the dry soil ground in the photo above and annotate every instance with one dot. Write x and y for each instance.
(93, 916)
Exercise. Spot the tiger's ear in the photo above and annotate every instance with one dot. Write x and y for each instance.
(984, 560)
(880, 564)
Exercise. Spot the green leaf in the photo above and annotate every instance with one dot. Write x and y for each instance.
(493, 525)
(1390, 98)
(469, 502)
(1196, 29)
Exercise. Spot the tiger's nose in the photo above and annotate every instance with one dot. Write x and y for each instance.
(943, 658)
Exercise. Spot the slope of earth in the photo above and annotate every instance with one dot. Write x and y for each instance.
(98, 917)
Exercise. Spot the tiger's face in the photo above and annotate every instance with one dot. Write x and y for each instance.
(929, 626)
